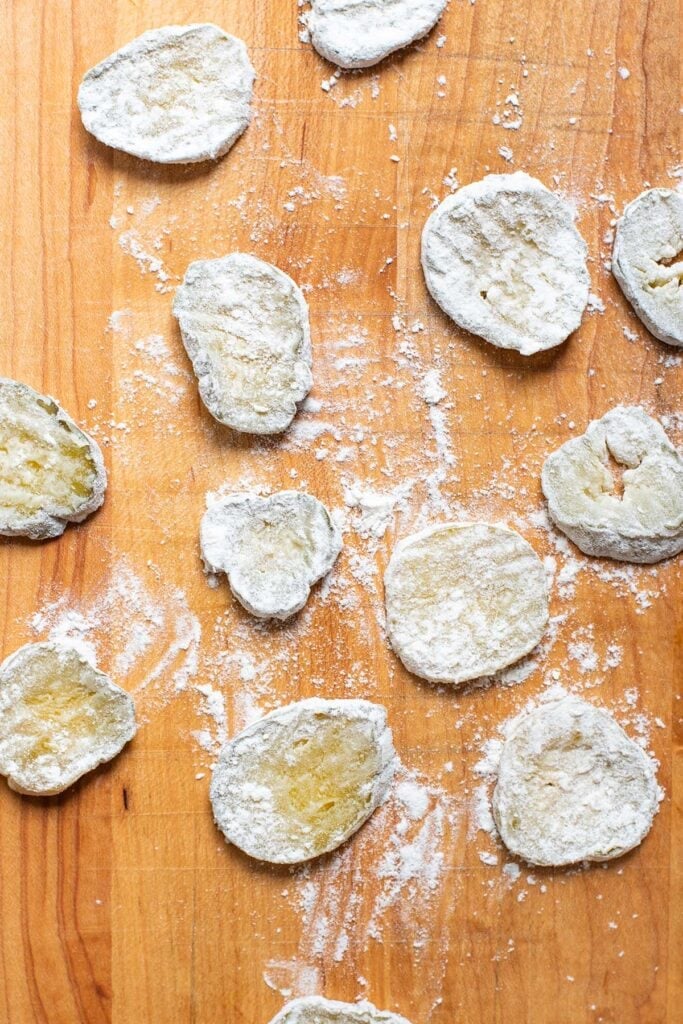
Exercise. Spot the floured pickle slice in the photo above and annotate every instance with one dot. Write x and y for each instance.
(51, 472)
(272, 549)
(572, 786)
(464, 600)
(359, 33)
(59, 718)
(648, 261)
(174, 95)
(636, 519)
(300, 781)
(245, 327)
(317, 1010)
(503, 259)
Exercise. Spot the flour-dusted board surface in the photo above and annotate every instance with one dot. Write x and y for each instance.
(120, 901)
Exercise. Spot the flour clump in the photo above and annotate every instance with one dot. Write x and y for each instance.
(245, 326)
(503, 259)
(272, 549)
(647, 261)
(51, 471)
(174, 95)
(60, 717)
(299, 782)
(358, 33)
(464, 600)
(638, 518)
(572, 786)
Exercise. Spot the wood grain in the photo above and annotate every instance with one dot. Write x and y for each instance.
(119, 901)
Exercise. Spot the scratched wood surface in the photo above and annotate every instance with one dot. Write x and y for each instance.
(119, 901)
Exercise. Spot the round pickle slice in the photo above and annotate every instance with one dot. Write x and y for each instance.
(464, 600)
(572, 786)
(299, 782)
(503, 259)
(59, 718)
(51, 471)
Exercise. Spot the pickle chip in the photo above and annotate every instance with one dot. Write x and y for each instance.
(360, 33)
(60, 717)
(272, 549)
(299, 782)
(175, 95)
(503, 259)
(647, 261)
(637, 518)
(51, 471)
(245, 326)
(464, 600)
(572, 786)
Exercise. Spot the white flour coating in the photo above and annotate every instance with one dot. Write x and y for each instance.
(318, 1010)
(642, 524)
(153, 634)
(572, 786)
(272, 549)
(503, 259)
(59, 718)
(359, 33)
(245, 326)
(464, 600)
(299, 782)
(51, 472)
(647, 261)
(174, 95)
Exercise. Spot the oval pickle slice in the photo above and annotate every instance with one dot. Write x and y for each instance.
(572, 786)
(299, 782)
(60, 717)
(244, 324)
(51, 471)
(175, 95)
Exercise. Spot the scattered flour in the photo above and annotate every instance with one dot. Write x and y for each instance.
(432, 391)
(147, 633)
(148, 262)
(393, 482)
(357, 896)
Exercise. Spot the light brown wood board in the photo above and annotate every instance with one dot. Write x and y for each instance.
(119, 901)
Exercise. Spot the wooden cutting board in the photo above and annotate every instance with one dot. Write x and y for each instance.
(120, 901)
